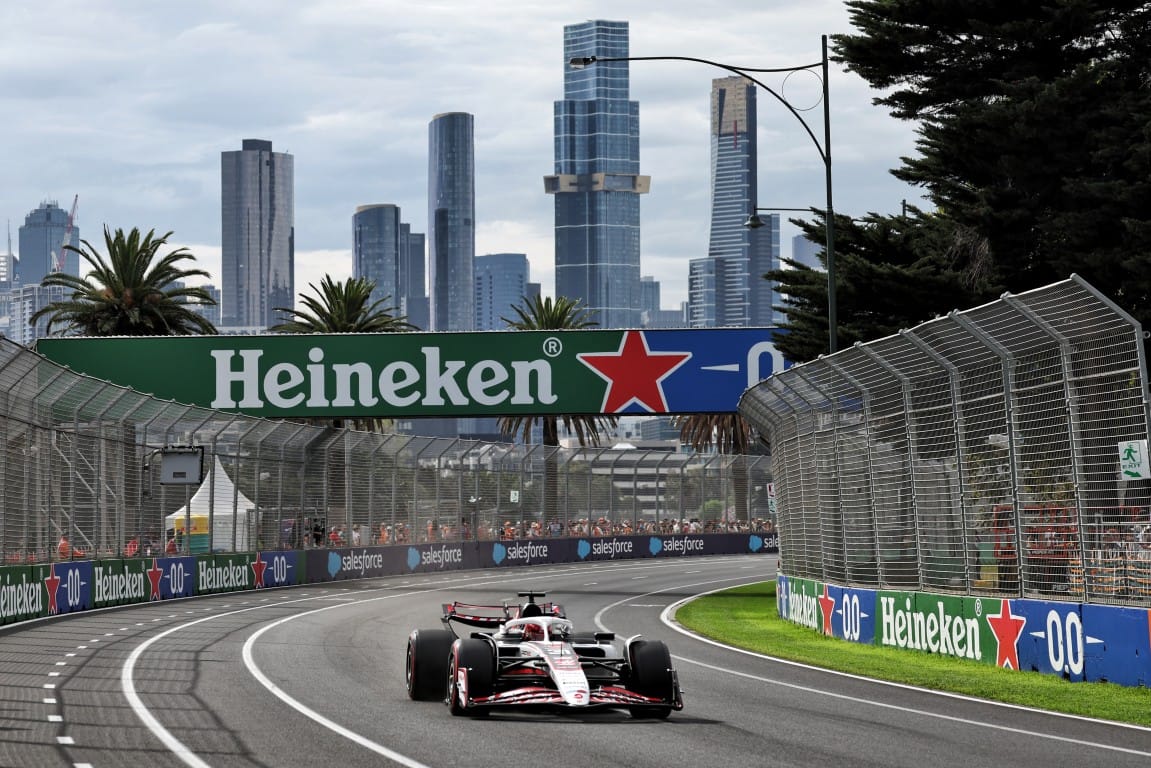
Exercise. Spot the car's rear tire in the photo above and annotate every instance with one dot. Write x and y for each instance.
(427, 663)
(651, 675)
(478, 658)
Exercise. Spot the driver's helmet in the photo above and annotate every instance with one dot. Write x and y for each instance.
(533, 631)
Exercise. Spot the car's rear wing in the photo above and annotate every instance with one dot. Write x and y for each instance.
(491, 617)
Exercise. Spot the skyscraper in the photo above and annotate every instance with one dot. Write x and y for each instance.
(502, 281)
(451, 221)
(730, 289)
(597, 183)
(806, 252)
(386, 251)
(41, 245)
(257, 214)
(413, 296)
(376, 249)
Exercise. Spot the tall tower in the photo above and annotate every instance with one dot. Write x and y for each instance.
(413, 285)
(257, 215)
(501, 283)
(730, 290)
(597, 183)
(388, 253)
(376, 249)
(451, 221)
(41, 245)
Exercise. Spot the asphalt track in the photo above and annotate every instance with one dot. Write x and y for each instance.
(313, 676)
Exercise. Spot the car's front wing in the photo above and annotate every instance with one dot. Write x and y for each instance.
(605, 696)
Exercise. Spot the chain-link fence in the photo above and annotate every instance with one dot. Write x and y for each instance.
(998, 450)
(81, 462)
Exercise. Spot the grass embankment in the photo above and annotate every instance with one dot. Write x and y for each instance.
(746, 617)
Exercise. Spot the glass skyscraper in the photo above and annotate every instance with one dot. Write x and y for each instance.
(42, 245)
(597, 183)
(451, 221)
(257, 214)
(385, 251)
(502, 281)
(413, 293)
(727, 288)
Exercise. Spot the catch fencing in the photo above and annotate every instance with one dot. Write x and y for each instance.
(81, 468)
(1000, 450)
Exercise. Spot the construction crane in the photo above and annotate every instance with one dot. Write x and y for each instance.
(58, 256)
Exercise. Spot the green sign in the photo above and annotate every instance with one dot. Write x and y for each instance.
(435, 374)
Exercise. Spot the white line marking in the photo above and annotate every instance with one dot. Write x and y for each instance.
(55, 719)
(65, 740)
(49, 701)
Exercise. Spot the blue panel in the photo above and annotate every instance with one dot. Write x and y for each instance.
(1052, 640)
(853, 613)
(278, 569)
(1118, 644)
(68, 586)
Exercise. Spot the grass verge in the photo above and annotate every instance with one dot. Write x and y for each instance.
(746, 618)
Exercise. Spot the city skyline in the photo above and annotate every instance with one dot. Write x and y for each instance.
(357, 124)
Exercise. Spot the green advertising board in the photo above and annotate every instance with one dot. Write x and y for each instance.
(435, 374)
(21, 594)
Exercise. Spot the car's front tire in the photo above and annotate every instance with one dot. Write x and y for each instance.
(478, 658)
(427, 663)
(651, 675)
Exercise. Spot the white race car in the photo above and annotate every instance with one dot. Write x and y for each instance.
(531, 656)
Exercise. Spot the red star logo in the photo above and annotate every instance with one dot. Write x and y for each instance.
(155, 573)
(52, 583)
(258, 566)
(634, 373)
(827, 607)
(1007, 629)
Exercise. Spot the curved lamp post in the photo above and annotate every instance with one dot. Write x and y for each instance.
(824, 150)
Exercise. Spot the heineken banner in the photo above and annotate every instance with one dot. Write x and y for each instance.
(1072, 640)
(702, 370)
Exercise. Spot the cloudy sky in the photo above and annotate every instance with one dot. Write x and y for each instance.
(129, 103)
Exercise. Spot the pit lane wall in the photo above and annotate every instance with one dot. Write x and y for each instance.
(1077, 641)
(38, 591)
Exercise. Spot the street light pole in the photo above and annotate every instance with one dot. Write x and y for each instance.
(823, 149)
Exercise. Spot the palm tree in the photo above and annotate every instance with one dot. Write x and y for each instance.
(345, 307)
(131, 292)
(544, 314)
(730, 433)
(342, 308)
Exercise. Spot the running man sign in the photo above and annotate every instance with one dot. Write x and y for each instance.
(701, 370)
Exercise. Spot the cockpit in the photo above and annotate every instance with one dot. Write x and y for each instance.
(538, 629)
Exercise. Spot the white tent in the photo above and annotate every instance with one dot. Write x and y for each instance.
(229, 508)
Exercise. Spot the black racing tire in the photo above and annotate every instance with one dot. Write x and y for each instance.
(478, 658)
(651, 675)
(427, 663)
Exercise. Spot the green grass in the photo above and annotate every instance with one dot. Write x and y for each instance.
(746, 618)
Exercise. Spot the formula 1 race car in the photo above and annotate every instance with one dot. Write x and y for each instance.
(530, 656)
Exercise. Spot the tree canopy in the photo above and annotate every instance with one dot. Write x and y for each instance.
(133, 291)
(1033, 146)
(345, 307)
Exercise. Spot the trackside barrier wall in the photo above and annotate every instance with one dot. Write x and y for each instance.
(1076, 641)
(49, 589)
(978, 484)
